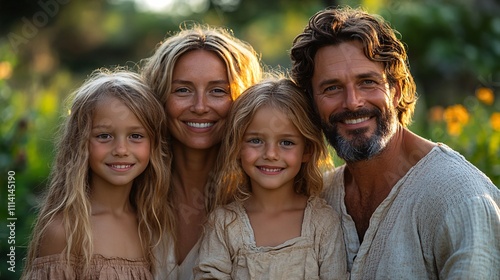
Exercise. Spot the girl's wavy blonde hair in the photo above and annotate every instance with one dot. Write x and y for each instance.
(67, 196)
(281, 94)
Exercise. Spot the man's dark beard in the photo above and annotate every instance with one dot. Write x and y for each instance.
(360, 147)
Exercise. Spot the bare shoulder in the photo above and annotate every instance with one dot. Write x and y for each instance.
(54, 239)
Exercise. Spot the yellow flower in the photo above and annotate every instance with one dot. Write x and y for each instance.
(454, 128)
(5, 70)
(456, 114)
(485, 95)
(495, 121)
(456, 117)
(436, 114)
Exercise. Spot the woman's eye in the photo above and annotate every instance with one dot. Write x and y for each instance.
(220, 91)
(181, 90)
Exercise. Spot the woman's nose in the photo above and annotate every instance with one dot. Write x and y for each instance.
(200, 103)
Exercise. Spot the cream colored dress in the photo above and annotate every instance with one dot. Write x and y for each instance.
(440, 221)
(54, 267)
(228, 249)
(168, 267)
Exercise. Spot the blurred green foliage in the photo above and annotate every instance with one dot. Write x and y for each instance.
(454, 46)
(48, 47)
(472, 127)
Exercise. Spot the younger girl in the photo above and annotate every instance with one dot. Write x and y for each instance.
(108, 184)
(275, 226)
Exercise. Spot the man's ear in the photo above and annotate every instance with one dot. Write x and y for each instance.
(397, 94)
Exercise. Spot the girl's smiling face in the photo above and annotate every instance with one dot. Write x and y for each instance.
(272, 151)
(119, 146)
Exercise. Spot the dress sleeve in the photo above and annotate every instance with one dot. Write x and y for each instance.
(214, 258)
(56, 267)
(50, 267)
(467, 242)
(332, 261)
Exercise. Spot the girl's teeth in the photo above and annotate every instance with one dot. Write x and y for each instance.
(121, 166)
(270, 169)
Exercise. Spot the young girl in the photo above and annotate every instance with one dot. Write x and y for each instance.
(275, 226)
(100, 218)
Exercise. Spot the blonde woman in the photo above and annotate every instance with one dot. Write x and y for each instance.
(100, 217)
(274, 226)
(196, 74)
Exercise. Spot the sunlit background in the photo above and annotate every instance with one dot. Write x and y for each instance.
(48, 47)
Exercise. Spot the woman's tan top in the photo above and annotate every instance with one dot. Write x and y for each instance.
(168, 269)
(55, 267)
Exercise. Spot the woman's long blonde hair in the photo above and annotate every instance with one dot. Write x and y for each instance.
(67, 196)
(283, 95)
(243, 66)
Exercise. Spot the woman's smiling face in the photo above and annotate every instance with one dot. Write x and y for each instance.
(200, 100)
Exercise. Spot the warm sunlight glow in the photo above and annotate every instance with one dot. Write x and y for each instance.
(173, 7)
(154, 5)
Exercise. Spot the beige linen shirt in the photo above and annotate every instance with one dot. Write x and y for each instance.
(228, 249)
(440, 221)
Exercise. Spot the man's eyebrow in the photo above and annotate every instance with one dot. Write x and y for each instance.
(371, 74)
(329, 82)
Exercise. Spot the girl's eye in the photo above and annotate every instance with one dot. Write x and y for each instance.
(103, 136)
(287, 143)
(136, 136)
(254, 141)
